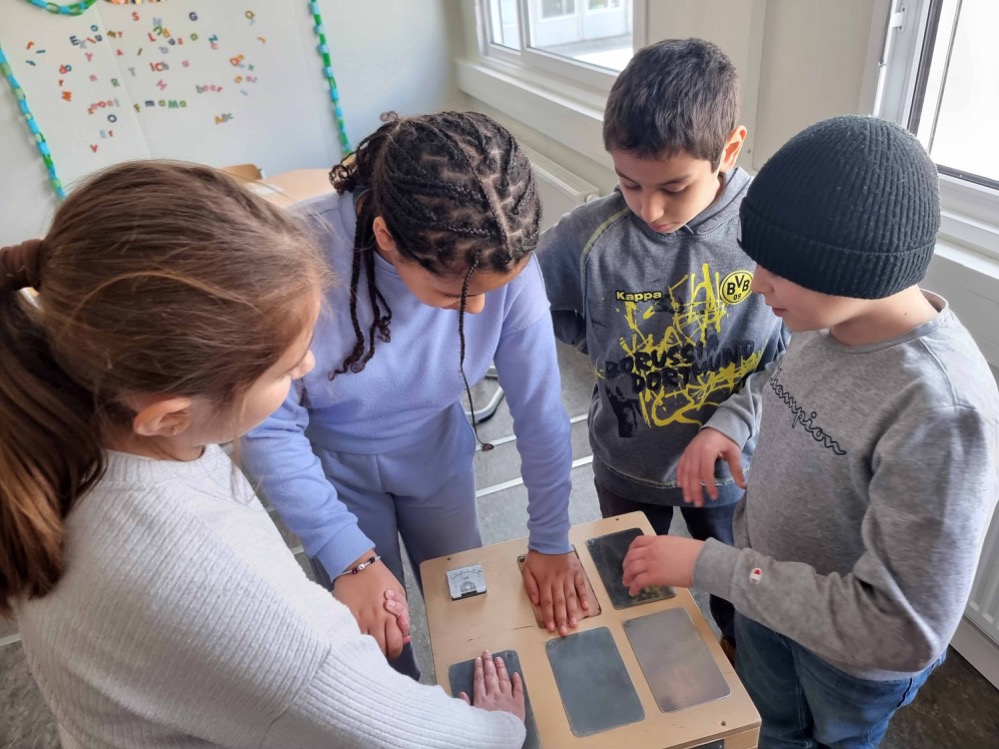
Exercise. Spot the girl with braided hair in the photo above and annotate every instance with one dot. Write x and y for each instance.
(433, 221)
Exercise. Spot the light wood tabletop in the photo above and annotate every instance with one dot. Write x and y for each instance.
(502, 619)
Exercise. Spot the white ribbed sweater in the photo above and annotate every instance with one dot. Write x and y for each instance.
(184, 621)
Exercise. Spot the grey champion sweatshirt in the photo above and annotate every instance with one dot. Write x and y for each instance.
(873, 482)
(670, 327)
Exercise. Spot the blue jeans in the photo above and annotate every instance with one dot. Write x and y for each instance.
(710, 521)
(805, 702)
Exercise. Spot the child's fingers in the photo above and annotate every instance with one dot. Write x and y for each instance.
(489, 672)
(463, 696)
(531, 585)
(548, 609)
(502, 676)
(683, 474)
(639, 581)
(560, 607)
(393, 639)
(581, 594)
(517, 685)
(735, 465)
(478, 681)
(693, 490)
(708, 479)
(632, 568)
(571, 603)
(400, 611)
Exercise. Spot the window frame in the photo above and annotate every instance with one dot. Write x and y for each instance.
(969, 209)
(533, 61)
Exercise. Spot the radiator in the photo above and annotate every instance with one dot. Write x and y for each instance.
(560, 189)
(983, 607)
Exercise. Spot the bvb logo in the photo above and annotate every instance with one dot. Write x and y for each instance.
(736, 285)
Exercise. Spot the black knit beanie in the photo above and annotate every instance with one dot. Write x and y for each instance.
(847, 207)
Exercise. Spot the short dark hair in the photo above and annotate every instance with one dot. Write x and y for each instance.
(678, 95)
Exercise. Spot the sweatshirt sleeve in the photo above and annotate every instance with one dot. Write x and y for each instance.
(278, 456)
(738, 417)
(527, 364)
(356, 701)
(930, 497)
(559, 254)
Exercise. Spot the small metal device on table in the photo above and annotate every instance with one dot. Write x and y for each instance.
(645, 673)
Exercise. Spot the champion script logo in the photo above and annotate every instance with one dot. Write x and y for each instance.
(800, 416)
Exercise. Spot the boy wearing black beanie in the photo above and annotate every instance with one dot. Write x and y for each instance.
(874, 476)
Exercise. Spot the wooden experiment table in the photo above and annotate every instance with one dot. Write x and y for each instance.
(292, 187)
(502, 619)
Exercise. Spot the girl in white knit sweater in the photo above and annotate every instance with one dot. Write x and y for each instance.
(157, 602)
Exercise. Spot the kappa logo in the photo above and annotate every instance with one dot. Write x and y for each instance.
(637, 296)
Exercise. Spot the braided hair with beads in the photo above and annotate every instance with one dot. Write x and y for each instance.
(457, 195)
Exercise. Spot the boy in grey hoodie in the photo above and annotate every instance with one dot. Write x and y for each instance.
(651, 283)
(875, 472)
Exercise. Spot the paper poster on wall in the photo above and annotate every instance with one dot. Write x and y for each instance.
(220, 81)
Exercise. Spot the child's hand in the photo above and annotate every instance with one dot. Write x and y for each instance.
(493, 689)
(400, 608)
(696, 468)
(555, 583)
(364, 593)
(660, 560)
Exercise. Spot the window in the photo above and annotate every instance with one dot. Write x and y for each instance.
(957, 90)
(588, 40)
(941, 81)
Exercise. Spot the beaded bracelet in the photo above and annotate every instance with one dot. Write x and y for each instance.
(354, 570)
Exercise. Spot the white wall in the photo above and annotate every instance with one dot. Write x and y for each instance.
(813, 66)
(387, 55)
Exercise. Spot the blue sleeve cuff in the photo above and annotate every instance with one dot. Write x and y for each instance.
(550, 540)
(340, 551)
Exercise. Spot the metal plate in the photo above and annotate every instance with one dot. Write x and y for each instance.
(591, 597)
(592, 680)
(460, 677)
(466, 581)
(608, 553)
(677, 665)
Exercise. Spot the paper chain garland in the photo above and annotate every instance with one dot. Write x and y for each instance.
(324, 50)
(73, 9)
(43, 146)
(77, 8)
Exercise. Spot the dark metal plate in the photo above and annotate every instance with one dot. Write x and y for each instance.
(592, 680)
(677, 664)
(460, 677)
(608, 554)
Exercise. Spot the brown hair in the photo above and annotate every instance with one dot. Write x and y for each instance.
(678, 95)
(155, 277)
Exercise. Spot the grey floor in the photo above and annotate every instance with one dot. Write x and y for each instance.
(956, 709)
